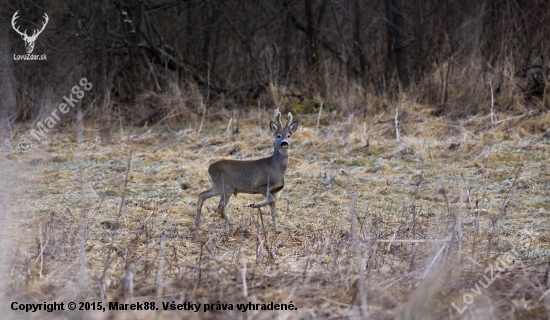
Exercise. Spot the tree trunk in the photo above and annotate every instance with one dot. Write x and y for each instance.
(8, 87)
(359, 44)
(399, 44)
(316, 62)
(211, 17)
(395, 44)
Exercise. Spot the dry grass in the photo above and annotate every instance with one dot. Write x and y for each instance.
(349, 190)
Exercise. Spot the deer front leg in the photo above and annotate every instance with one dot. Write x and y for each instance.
(270, 201)
(273, 208)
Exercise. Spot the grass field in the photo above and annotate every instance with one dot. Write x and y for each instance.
(455, 212)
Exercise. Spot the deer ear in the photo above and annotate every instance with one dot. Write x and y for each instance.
(274, 127)
(292, 128)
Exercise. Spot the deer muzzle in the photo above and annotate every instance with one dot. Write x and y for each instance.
(284, 145)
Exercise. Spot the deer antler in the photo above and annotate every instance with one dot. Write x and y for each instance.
(35, 34)
(17, 28)
(278, 119)
(289, 120)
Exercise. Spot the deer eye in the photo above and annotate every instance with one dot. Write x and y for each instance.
(279, 136)
(288, 136)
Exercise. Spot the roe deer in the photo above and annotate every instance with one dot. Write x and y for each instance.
(264, 176)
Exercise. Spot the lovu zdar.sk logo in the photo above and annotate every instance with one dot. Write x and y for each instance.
(29, 40)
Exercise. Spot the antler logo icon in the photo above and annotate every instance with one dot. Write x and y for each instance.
(29, 41)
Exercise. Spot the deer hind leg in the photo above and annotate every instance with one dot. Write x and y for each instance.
(212, 192)
(224, 198)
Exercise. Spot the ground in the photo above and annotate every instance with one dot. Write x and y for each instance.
(448, 220)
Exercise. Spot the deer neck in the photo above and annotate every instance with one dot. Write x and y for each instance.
(279, 159)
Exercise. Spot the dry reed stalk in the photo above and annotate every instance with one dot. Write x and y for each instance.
(83, 207)
(160, 279)
(319, 117)
(117, 224)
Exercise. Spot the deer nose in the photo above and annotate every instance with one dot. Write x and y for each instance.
(284, 144)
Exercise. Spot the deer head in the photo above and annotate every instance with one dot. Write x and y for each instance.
(282, 133)
(29, 41)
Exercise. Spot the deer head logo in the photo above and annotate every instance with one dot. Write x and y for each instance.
(29, 41)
